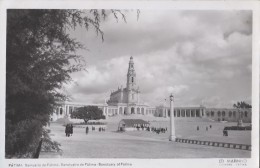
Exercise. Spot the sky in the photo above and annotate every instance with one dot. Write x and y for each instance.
(201, 57)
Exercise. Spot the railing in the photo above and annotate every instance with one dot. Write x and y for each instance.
(215, 144)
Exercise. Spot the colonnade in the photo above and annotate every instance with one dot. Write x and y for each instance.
(184, 112)
(122, 110)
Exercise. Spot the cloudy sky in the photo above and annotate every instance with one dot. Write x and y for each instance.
(202, 57)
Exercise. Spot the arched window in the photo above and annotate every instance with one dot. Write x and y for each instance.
(245, 113)
(241, 114)
(234, 113)
(230, 114)
(223, 113)
(212, 113)
(208, 113)
(219, 113)
(138, 110)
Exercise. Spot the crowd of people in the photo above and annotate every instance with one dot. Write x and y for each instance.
(152, 129)
(69, 129)
(158, 130)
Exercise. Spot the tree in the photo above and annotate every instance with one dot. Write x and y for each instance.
(41, 55)
(242, 105)
(88, 113)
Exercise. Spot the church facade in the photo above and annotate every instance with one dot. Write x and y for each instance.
(127, 101)
(123, 101)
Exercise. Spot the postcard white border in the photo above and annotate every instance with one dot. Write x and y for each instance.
(176, 5)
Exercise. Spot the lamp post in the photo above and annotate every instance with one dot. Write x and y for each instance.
(240, 122)
(172, 126)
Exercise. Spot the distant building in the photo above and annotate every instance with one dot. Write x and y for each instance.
(126, 101)
(132, 125)
(216, 114)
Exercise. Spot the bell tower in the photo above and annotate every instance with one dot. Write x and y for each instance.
(131, 75)
(131, 87)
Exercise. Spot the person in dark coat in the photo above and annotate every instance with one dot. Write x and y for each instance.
(71, 129)
(67, 130)
(87, 130)
(225, 132)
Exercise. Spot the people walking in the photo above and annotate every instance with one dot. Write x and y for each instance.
(67, 130)
(71, 129)
(87, 130)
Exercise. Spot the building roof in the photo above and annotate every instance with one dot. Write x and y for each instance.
(133, 122)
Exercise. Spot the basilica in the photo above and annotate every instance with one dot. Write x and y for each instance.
(123, 101)
(127, 101)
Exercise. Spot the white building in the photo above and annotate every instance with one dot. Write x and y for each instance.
(124, 101)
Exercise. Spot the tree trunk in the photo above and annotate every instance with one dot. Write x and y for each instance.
(85, 120)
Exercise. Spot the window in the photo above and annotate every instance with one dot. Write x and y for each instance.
(132, 79)
(223, 113)
(230, 114)
(212, 113)
(234, 113)
(60, 111)
(207, 113)
(219, 113)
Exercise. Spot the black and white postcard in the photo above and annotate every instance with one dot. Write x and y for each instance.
(129, 84)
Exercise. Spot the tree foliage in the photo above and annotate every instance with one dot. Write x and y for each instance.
(242, 105)
(41, 55)
(88, 113)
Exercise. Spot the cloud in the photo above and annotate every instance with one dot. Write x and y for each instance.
(197, 55)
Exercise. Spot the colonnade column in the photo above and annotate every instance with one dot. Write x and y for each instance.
(172, 126)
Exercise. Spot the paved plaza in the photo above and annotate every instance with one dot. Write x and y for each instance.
(144, 144)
